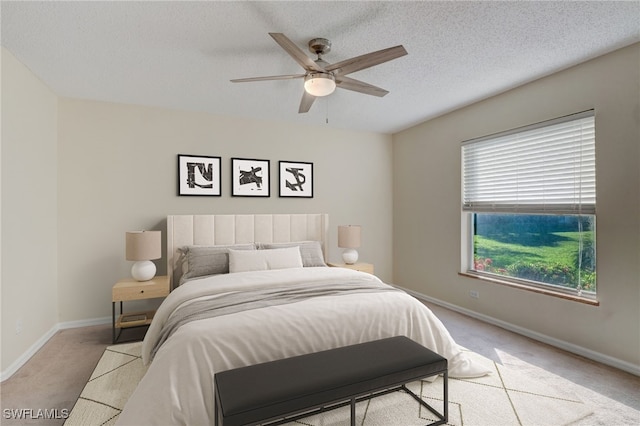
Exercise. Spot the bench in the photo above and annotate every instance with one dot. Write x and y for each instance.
(281, 391)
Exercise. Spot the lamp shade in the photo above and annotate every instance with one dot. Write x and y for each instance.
(144, 245)
(349, 236)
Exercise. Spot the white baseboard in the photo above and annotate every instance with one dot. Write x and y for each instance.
(15, 366)
(26, 356)
(569, 347)
(84, 323)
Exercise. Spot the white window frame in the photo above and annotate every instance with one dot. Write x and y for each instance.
(582, 203)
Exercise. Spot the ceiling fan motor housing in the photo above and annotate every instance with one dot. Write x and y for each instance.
(319, 46)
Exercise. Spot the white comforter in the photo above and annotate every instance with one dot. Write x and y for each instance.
(178, 387)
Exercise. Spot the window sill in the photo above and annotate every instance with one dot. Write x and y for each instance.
(547, 292)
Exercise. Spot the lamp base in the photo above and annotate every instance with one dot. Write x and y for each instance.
(350, 256)
(143, 270)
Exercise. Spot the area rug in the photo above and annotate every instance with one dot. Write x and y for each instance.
(504, 397)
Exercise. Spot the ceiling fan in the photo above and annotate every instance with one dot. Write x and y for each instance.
(321, 78)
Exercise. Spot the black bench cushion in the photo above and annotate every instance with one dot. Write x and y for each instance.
(267, 390)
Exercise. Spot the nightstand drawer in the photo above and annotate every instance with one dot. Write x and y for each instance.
(129, 289)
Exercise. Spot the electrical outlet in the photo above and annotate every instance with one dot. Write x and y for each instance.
(474, 294)
(19, 326)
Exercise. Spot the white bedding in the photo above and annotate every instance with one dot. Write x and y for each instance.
(178, 387)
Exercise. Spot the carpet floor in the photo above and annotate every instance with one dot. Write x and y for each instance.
(57, 374)
(507, 396)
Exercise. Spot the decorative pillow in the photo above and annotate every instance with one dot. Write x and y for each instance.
(262, 260)
(200, 261)
(311, 251)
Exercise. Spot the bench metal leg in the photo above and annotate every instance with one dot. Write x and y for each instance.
(353, 412)
(444, 417)
(446, 395)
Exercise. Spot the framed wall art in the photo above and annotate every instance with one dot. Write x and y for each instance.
(199, 175)
(296, 179)
(250, 177)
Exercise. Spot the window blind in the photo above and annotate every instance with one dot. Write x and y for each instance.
(548, 167)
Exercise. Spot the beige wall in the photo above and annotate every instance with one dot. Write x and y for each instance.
(28, 281)
(76, 175)
(427, 207)
(117, 172)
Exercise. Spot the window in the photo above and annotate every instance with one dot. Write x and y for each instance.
(529, 205)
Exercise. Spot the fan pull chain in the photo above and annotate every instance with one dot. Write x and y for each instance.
(327, 115)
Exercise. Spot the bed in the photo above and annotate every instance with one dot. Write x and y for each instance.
(255, 288)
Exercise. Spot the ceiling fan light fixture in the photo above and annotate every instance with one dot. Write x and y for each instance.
(319, 84)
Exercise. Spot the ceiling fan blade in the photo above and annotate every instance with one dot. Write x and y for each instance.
(296, 53)
(345, 82)
(306, 102)
(366, 61)
(273, 77)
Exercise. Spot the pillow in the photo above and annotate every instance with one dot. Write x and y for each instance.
(262, 260)
(199, 261)
(311, 251)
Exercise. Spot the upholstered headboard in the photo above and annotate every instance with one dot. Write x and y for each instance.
(184, 230)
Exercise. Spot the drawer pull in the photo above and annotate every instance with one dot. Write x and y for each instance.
(141, 291)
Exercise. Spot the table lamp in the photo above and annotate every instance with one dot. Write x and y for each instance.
(349, 239)
(143, 247)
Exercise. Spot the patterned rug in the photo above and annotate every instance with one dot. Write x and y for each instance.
(505, 397)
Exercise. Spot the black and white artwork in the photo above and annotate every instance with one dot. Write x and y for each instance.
(296, 179)
(198, 175)
(250, 177)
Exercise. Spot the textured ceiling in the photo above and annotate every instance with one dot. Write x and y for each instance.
(183, 54)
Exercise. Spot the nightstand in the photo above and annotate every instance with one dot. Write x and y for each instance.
(129, 289)
(363, 267)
